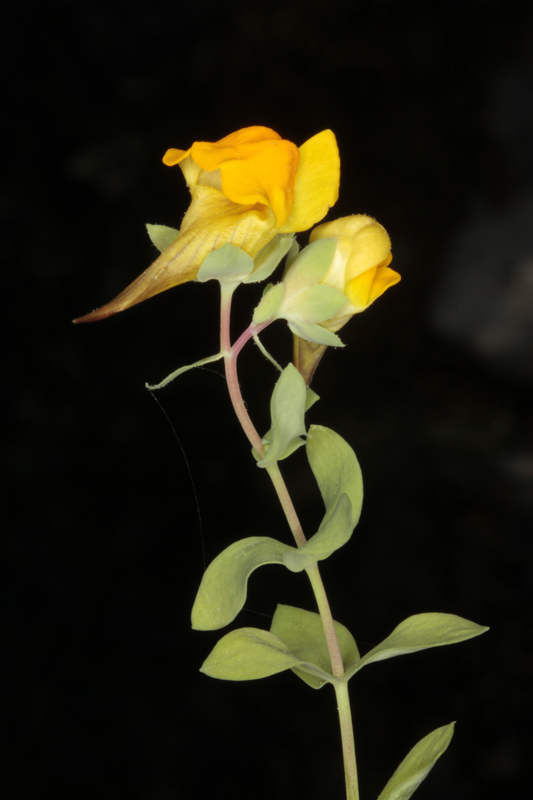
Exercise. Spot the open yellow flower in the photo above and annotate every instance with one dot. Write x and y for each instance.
(360, 267)
(246, 188)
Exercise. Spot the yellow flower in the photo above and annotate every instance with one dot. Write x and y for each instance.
(246, 188)
(360, 267)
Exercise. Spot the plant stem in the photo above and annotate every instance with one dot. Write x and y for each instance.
(348, 746)
(341, 687)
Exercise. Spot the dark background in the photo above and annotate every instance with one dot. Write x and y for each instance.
(432, 105)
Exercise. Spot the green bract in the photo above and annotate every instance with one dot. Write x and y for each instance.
(181, 370)
(417, 764)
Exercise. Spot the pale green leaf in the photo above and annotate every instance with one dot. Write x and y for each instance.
(287, 409)
(181, 370)
(312, 332)
(334, 532)
(222, 592)
(250, 653)
(269, 257)
(335, 468)
(315, 304)
(161, 236)
(421, 632)
(416, 765)
(268, 304)
(228, 264)
(303, 633)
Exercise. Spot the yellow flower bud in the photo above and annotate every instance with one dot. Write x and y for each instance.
(360, 267)
(360, 270)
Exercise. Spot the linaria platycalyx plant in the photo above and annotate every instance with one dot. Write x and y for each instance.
(252, 191)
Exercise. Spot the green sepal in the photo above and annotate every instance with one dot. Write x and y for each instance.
(310, 265)
(416, 765)
(268, 304)
(315, 304)
(228, 264)
(181, 370)
(269, 257)
(421, 632)
(250, 653)
(222, 592)
(312, 332)
(287, 409)
(161, 236)
(303, 633)
(291, 255)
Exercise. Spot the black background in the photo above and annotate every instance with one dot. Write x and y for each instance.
(101, 694)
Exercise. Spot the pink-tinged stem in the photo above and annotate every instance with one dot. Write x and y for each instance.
(341, 688)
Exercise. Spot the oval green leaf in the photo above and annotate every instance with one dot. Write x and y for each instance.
(250, 653)
(421, 632)
(222, 592)
(335, 468)
(287, 409)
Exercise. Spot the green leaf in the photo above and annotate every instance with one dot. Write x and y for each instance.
(416, 765)
(222, 592)
(268, 304)
(421, 632)
(250, 653)
(310, 266)
(303, 633)
(181, 370)
(228, 264)
(336, 469)
(315, 304)
(315, 333)
(161, 236)
(287, 409)
(332, 534)
(269, 257)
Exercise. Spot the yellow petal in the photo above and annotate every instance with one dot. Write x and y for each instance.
(174, 156)
(370, 242)
(368, 286)
(358, 290)
(384, 279)
(260, 171)
(317, 182)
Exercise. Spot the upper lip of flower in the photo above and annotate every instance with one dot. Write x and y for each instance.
(256, 166)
